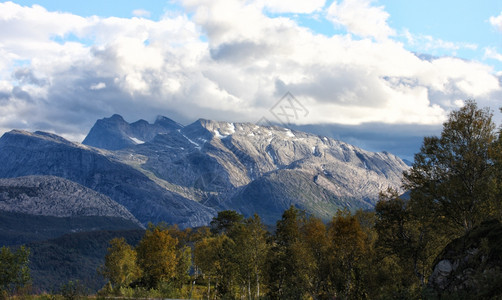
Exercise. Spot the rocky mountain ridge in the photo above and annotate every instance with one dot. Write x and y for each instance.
(183, 174)
(220, 164)
(115, 133)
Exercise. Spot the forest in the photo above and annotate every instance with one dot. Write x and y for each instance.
(452, 205)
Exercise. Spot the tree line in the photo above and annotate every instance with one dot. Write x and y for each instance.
(454, 185)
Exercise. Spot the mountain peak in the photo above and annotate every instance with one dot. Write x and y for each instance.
(167, 123)
(115, 133)
(116, 117)
(22, 137)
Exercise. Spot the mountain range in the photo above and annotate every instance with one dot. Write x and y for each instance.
(184, 174)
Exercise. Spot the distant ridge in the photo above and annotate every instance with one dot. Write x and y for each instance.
(252, 168)
(185, 174)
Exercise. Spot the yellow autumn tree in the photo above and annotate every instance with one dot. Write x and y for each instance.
(120, 266)
(157, 256)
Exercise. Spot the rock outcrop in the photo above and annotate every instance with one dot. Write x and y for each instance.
(470, 266)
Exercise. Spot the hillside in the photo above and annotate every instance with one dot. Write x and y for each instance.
(57, 197)
(39, 153)
(73, 257)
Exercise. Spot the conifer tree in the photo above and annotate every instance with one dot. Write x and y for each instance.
(14, 271)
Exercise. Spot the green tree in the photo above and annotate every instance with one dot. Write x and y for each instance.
(156, 254)
(225, 220)
(284, 277)
(14, 270)
(349, 251)
(496, 155)
(453, 187)
(73, 290)
(455, 173)
(407, 242)
(211, 257)
(120, 266)
(251, 247)
(183, 265)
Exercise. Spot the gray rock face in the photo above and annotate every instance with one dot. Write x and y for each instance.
(58, 197)
(23, 153)
(251, 168)
(183, 174)
(115, 133)
(441, 273)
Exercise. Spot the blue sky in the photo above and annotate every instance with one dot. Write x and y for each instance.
(354, 64)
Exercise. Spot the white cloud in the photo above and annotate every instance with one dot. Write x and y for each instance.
(292, 6)
(361, 18)
(141, 13)
(493, 54)
(428, 43)
(98, 86)
(228, 61)
(497, 22)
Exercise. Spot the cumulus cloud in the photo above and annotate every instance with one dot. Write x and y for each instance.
(361, 18)
(225, 60)
(497, 22)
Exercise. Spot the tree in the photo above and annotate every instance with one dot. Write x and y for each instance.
(225, 220)
(211, 257)
(314, 244)
(183, 265)
(455, 171)
(496, 155)
(157, 256)
(349, 248)
(14, 270)
(250, 239)
(407, 241)
(453, 187)
(120, 266)
(286, 256)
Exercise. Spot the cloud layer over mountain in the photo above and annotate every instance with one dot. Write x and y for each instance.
(225, 60)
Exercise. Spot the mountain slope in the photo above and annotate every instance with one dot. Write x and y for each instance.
(39, 153)
(57, 197)
(183, 174)
(221, 164)
(73, 257)
(19, 228)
